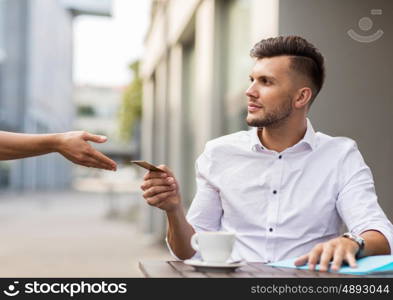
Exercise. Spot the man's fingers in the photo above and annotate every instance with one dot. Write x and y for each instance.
(335, 251)
(157, 174)
(157, 190)
(167, 170)
(94, 138)
(326, 257)
(302, 260)
(147, 184)
(159, 199)
(104, 159)
(153, 174)
(337, 259)
(351, 260)
(314, 256)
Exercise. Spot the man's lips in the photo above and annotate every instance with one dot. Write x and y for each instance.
(253, 107)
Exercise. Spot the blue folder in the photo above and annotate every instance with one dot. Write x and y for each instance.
(365, 265)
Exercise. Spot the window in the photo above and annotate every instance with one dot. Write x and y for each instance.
(189, 122)
(237, 62)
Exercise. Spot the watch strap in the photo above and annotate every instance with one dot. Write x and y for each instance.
(357, 239)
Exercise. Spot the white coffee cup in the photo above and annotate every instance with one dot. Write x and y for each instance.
(215, 247)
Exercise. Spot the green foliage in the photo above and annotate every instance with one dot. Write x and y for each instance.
(131, 107)
(86, 111)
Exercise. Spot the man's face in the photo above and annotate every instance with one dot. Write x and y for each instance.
(271, 91)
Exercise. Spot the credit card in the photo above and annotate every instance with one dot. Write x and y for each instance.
(147, 166)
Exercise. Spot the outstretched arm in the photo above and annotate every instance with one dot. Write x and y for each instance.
(162, 191)
(72, 145)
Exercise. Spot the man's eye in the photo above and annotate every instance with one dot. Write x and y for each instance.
(265, 81)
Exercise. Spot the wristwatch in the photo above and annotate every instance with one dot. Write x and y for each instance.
(358, 239)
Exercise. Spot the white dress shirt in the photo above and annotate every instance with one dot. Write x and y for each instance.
(281, 205)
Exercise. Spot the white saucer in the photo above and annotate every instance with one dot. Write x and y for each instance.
(208, 265)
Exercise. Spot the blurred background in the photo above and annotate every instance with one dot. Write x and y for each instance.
(160, 78)
(73, 65)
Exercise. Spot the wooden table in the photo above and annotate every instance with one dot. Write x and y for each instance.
(177, 269)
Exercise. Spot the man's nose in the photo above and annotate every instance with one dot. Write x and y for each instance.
(251, 92)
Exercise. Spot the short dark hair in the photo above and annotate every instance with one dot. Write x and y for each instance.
(305, 57)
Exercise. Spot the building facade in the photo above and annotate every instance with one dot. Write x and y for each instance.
(196, 66)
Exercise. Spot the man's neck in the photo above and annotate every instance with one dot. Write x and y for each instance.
(287, 134)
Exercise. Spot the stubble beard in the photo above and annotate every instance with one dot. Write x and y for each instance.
(274, 118)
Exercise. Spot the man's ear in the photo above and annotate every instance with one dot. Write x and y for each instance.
(303, 97)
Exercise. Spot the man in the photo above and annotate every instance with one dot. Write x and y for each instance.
(72, 145)
(282, 187)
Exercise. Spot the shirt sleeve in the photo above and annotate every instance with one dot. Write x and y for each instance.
(357, 201)
(205, 211)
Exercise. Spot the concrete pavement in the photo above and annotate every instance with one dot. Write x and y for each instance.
(69, 234)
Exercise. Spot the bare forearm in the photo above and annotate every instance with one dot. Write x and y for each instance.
(179, 234)
(20, 145)
(161, 189)
(375, 243)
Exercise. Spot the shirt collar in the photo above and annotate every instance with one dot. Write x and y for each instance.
(309, 138)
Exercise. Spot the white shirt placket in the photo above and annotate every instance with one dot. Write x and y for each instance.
(276, 172)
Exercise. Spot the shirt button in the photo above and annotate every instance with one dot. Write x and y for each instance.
(270, 229)
(274, 192)
(280, 157)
